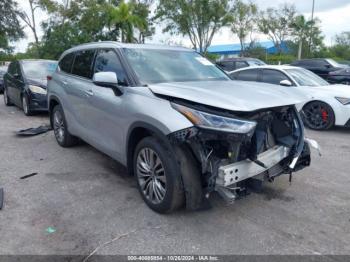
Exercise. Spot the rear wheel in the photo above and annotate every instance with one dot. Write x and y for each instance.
(318, 116)
(62, 135)
(158, 176)
(7, 100)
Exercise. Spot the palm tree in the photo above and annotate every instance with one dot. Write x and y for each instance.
(123, 17)
(302, 29)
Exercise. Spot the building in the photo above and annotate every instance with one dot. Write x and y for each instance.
(234, 50)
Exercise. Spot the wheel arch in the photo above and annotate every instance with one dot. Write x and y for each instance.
(136, 133)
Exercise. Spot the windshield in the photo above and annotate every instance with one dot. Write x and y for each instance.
(255, 62)
(306, 78)
(336, 64)
(163, 66)
(38, 69)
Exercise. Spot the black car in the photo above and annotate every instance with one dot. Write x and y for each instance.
(3, 70)
(231, 64)
(328, 69)
(25, 84)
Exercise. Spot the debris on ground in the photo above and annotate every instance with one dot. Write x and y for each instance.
(33, 131)
(27, 176)
(50, 230)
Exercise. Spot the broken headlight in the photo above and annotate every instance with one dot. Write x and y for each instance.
(215, 122)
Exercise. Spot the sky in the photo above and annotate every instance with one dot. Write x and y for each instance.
(334, 16)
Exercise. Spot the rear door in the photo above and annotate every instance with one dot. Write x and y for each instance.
(76, 81)
(246, 75)
(14, 83)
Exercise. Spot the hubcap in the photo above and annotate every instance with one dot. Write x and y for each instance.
(316, 116)
(151, 175)
(58, 126)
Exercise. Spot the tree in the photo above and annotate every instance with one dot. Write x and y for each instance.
(243, 21)
(128, 16)
(29, 20)
(302, 30)
(197, 19)
(276, 23)
(10, 28)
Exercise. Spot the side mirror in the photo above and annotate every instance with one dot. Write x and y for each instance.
(107, 79)
(285, 83)
(328, 66)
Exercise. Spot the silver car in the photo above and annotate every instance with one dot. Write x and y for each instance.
(178, 123)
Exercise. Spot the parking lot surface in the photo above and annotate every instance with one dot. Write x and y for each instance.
(80, 199)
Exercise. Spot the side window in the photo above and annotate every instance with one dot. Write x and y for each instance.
(66, 63)
(108, 61)
(248, 75)
(241, 64)
(82, 65)
(12, 68)
(227, 65)
(273, 76)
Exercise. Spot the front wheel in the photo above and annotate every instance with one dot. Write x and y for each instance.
(158, 176)
(25, 105)
(318, 115)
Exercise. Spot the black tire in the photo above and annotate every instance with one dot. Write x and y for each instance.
(169, 179)
(59, 124)
(25, 105)
(7, 100)
(318, 115)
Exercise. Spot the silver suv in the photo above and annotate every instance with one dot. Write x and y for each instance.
(178, 123)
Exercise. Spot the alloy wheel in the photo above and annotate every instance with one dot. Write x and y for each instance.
(317, 116)
(58, 126)
(151, 175)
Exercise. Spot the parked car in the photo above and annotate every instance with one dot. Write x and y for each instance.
(25, 84)
(328, 69)
(179, 124)
(329, 104)
(3, 70)
(230, 64)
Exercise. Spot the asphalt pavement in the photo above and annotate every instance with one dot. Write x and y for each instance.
(81, 198)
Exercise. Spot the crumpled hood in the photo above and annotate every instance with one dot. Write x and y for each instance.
(38, 82)
(231, 95)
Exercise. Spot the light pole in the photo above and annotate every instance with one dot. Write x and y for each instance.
(312, 20)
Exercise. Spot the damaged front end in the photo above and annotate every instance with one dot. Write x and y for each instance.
(237, 150)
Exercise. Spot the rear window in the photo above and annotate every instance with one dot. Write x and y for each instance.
(66, 63)
(82, 65)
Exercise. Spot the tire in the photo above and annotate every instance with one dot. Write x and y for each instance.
(25, 106)
(7, 100)
(318, 116)
(62, 135)
(158, 180)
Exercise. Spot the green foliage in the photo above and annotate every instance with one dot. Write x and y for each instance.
(244, 18)
(276, 24)
(10, 28)
(197, 19)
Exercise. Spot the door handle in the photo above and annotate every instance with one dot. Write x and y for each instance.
(89, 92)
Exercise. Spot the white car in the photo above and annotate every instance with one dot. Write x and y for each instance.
(329, 104)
